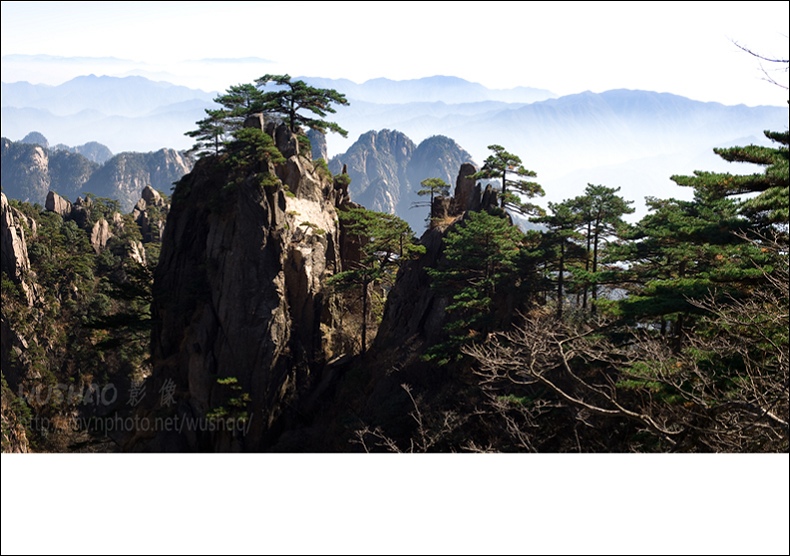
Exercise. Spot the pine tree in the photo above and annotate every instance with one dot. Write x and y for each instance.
(479, 270)
(433, 187)
(211, 133)
(293, 97)
(509, 169)
(601, 213)
(767, 210)
(240, 101)
(561, 223)
(385, 243)
(684, 251)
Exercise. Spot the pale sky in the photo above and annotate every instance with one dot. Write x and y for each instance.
(567, 47)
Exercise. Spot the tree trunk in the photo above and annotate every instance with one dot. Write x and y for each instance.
(587, 265)
(595, 267)
(502, 201)
(364, 318)
(560, 279)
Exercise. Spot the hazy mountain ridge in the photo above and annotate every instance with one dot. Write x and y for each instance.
(438, 88)
(126, 96)
(561, 138)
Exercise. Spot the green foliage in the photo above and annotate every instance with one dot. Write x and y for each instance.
(290, 99)
(680, 253)
(235, 401)
(322, 168)
(342, 180)
(481, 256)
(558, 246)
(385, 243)
(211, 133)
(251, 152)
(433, 187)
(305, 146)
(769, 207)
(516, 186)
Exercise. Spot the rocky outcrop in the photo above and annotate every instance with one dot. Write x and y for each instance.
(467, 192)
(136, 252)
(81, 212)
(242, 314)
(57, 204)
(255, 121)
(286, 141)
(15, 261)
(150, 214)
(152, 197)
(100, 235)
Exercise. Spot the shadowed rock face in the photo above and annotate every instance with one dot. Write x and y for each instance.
(150, 214)
(15, 261)
(240, 305)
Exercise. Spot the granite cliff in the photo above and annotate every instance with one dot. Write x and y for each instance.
(244, 324)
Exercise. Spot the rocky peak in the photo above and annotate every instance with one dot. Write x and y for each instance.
(57, 204)
(240, 298)
(100, 235)
(377, 164)
(152, 197)
(150, 214)
(386, 170)
(25, 171)
(35, 138)
(467, 191)
(15, 261)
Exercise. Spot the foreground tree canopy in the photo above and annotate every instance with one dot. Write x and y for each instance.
(516, 186)
(296, 103)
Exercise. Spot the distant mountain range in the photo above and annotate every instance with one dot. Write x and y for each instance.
(631, 139)
(439, 88)
(386, 168)
(30, 170)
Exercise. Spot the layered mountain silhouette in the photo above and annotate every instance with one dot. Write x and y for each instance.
(623, 138)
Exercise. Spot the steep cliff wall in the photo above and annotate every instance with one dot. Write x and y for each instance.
(243, 320)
